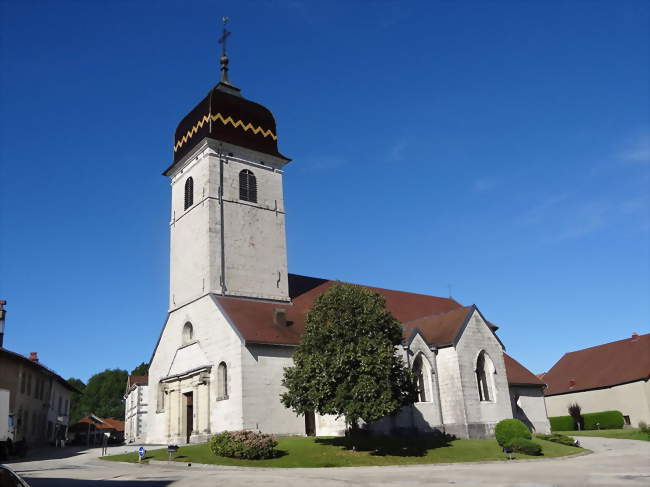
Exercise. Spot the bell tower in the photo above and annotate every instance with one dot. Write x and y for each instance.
(227, 217)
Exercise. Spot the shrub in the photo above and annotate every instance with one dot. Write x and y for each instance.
(243, 444)
(608, 420)
(557, 438)
(561, 423)
(574, 412)
(525, 446)
(509, 429)
(643, 427)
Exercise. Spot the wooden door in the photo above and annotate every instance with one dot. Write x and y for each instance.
(189, 426)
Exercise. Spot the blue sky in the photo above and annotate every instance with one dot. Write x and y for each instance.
(500, 148)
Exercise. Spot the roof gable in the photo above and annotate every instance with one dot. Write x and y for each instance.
(440, 329)
(518, 374)
(605, 365)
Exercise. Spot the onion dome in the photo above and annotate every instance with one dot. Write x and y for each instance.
(227, 116)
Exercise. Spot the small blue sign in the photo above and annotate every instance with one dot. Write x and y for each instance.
(141, 451)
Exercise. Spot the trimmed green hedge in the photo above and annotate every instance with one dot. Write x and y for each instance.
(525, 446)
(608, 420)
(558, 438)
(507, 430)
(561, 423)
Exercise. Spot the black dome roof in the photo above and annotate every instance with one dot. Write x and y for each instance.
(225, 115)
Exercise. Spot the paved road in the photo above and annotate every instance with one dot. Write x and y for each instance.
(613, 463)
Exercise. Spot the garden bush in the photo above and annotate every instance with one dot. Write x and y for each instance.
(509, 429)
(243, 444)
(557, 438)
(562, 423)
(525, 446)
(608, 420)
(643, 427)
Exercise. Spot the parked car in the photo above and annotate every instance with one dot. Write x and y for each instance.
(9, 478)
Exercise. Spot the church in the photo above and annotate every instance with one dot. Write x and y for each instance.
(236, 314)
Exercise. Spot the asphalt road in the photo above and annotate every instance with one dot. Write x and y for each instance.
(613, 463)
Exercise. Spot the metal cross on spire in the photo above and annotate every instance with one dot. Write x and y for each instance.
(224, 55)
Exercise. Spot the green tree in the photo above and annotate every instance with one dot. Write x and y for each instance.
(76, 408)
(142, 369)
(346, 363)
(104, 393)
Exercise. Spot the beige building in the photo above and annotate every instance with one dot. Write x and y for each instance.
(39, 397)
(612, 376)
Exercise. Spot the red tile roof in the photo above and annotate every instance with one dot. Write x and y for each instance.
(518, 374)
(141, 380)
(254, 319)
(442, 328)
(605, 365)
(116, 424)
(103, 423)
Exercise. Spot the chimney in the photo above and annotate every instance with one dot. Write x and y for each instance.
(280, 316)
(3, 312)
(635, 336)
(33, 356)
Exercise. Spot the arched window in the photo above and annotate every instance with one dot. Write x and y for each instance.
(423, 375)
(189, 192)
(247, 186)
(188, 332)
(485, 377)
(222, 382)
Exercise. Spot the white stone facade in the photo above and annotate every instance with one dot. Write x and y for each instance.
(204, 377)
(254, 375)
(528, 406)
(135, 413)
(252, 243)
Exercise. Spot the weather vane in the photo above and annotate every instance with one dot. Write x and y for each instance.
(224, 55)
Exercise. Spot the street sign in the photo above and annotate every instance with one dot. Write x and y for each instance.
(141, 451)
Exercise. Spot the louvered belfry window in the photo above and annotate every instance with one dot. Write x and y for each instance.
(247, 186)
(189, 192)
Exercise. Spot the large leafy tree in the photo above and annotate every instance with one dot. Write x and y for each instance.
(76, 408)
(142, 369)
(346, 363)
(103, 395)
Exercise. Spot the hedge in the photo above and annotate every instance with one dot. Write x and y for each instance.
(561, 423)
(607, 419)
(507, 430)
(525, 446)
(558, 438)
(245, 444)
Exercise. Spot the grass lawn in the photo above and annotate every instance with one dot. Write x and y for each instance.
(624, 434)
(335, 452)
